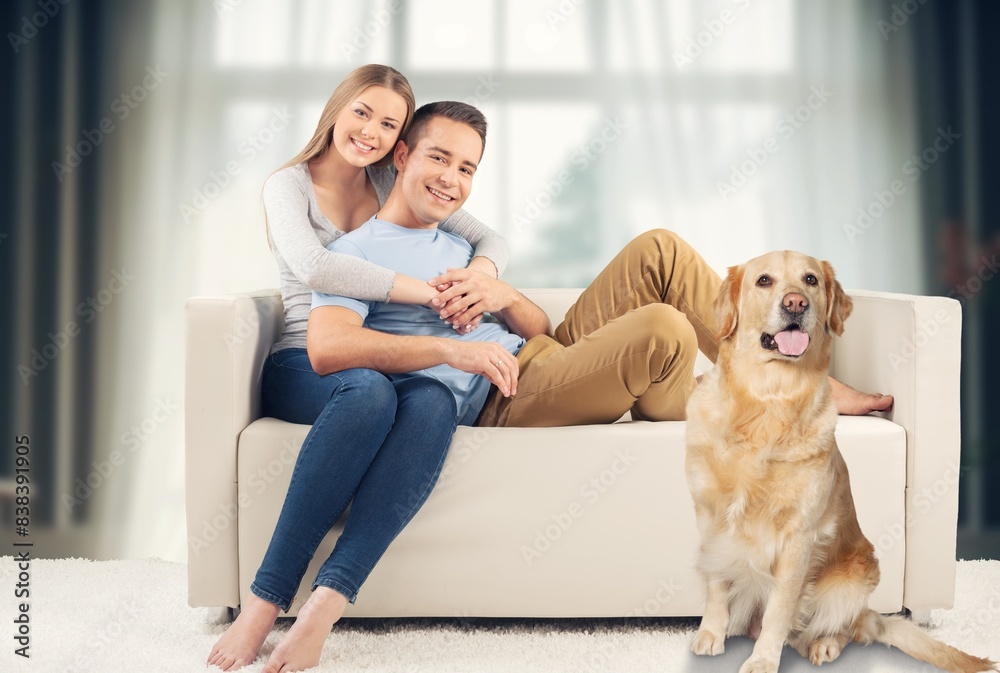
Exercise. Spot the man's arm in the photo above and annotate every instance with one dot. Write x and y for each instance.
(523, 317)
(473, 292)
(337, 340)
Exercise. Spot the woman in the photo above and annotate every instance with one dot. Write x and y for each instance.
(373, 442)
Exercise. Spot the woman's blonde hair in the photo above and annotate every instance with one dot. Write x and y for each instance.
(357, 81)
(352, 86)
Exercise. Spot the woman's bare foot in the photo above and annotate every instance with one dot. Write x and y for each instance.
(301, 647)
(851, 402)
(241, 642)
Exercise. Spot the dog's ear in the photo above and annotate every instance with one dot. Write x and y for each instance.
(838, 304)
(727, 304)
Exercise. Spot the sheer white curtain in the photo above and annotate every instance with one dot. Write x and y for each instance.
(747, 127)
(607, 119)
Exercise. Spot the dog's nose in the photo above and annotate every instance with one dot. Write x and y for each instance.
(795, 302)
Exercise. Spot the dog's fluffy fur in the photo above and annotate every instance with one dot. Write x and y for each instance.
(782, 552)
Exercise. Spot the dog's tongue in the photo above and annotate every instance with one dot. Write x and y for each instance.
(792, 342)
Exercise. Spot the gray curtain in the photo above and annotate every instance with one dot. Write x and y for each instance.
(955, 52)
(54, 70)
(58, 243)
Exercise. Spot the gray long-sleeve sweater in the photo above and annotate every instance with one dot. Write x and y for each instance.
(300, 234)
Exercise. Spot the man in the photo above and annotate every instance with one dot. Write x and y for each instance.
(435, 170)
(628, 344)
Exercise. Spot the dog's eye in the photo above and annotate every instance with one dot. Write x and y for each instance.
(764, 281)
(811, 279)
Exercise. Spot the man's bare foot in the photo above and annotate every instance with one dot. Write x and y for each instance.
(301, 647)
(851, 402)
(241, 642)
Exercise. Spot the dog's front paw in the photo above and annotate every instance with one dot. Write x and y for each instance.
(706, 642)
(759, 665)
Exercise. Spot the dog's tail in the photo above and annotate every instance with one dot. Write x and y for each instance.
(902, 633)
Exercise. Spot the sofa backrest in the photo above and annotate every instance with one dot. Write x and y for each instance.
(554, 301)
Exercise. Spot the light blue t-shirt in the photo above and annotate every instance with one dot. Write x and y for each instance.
(423, 254)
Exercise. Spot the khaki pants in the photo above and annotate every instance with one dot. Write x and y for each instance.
(629, 343)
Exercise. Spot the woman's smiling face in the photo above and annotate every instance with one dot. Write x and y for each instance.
(368, 128)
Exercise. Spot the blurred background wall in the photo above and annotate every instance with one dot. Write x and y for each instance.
(136, 136)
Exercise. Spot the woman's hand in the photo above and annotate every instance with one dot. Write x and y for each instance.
(433, 303)
(471, 320)
(485, 265)
(469, 294)
(407, 290)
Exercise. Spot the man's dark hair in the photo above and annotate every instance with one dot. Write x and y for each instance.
(463, 113)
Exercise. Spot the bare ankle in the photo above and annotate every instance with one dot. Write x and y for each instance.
(325, 603)
(323, 593)
(256, 606)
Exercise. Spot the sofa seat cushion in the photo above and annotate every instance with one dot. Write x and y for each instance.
(527, 518)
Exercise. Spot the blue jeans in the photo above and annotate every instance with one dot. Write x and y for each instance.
(374, 440)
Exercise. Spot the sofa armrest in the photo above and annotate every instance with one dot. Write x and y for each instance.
(226, 341)
(910, 347)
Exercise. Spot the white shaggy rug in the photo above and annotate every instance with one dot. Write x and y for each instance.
(124, 616)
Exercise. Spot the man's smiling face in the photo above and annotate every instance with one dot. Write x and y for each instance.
(435, 176)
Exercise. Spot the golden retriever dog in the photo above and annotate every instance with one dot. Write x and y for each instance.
(781, 549)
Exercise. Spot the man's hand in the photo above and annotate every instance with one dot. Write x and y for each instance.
(337, 340)
(461, 329)
(482, 264)
(469, 294)
(488, 359)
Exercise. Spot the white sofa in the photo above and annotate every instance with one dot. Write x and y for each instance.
(592, 521)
